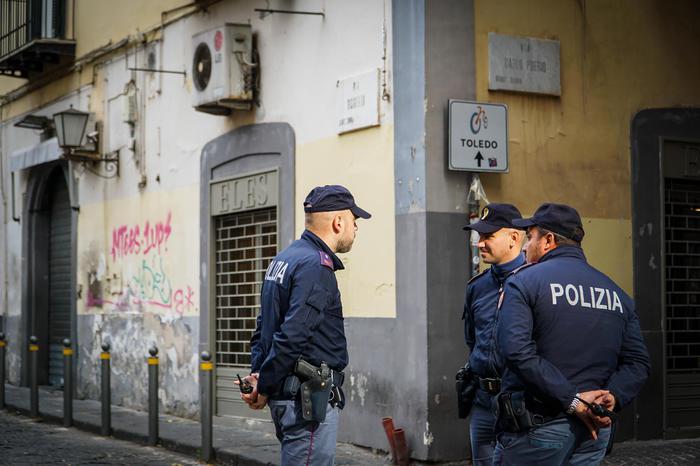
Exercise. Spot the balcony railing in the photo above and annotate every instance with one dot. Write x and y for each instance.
(32, 35)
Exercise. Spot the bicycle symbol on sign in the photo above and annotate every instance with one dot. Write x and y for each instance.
(477, 119)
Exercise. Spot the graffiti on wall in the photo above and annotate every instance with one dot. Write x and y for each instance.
(134, 240)
(141, 252)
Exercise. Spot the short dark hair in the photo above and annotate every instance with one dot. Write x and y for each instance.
(558, 239)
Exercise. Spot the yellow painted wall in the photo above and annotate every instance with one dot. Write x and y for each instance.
(143, 251)
(98, 21)
(362, 161)
(617, 57)
(607, 246)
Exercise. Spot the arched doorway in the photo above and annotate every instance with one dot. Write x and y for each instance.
(49, 299)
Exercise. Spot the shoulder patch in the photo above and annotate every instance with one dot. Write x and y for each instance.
(522, 267)
(326, 260)
(480, 274)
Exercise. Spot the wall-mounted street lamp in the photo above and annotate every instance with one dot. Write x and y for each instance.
(71, 128)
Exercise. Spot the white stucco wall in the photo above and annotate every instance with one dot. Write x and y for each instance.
(138, 233)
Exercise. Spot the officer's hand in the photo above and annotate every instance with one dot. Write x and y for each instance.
(251, 397)
(607, 401)
(260, 402)
(592, 422)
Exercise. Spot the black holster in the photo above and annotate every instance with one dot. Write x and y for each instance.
(466, 386)
(315, 391)
(513, 415)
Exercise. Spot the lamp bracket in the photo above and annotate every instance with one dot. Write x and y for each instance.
(85, 157)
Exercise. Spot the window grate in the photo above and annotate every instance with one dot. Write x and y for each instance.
(682, 254)
(245, 244)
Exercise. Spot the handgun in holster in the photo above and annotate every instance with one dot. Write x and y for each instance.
(315, 390)
(466, 391)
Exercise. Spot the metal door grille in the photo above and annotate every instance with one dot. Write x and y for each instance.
(682, 276)
(245, 244)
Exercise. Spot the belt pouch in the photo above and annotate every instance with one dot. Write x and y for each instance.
(520, 411)
(291, 386)
(337, 397)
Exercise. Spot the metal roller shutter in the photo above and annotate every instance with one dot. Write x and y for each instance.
(245, 244)
(682, 237)
(59, 280)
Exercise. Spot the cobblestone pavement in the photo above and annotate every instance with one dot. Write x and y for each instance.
(656, 452)
(27, 442)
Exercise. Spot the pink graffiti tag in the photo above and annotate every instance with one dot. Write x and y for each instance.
(184, 300)
(125, 241)
(157, 235)
(129, 240)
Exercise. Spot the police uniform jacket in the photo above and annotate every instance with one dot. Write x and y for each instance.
(301, 314)
(480, 314)
(565, 327)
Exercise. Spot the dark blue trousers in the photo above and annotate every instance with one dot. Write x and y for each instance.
(304, 443)
(562, 441)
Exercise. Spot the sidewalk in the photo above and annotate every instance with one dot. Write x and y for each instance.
(252, 443)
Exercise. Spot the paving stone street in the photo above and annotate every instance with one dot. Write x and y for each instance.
(24, 441)
(656, 452)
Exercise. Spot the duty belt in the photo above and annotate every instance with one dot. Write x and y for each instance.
(515, 414)
(289, 390)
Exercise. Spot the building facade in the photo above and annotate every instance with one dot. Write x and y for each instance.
(214, 119)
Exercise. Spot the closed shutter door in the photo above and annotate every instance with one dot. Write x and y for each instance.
(682, 210)
(245, 244)
(59, 280)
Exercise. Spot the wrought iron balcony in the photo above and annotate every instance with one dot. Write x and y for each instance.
(33, 37)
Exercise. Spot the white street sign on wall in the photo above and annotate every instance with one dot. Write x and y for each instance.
(524, 64)
(357, 102)
(478, 139)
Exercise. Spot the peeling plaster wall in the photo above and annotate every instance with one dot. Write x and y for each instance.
(130, 339)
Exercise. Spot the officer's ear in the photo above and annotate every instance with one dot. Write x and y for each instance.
(550, 240)
(337, 223)
(516, 236)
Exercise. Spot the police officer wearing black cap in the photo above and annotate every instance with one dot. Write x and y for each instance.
(500, 245)
(298, 350)
(572, 345)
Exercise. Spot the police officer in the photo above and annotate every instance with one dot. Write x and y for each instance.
(299, 349)
(570, 337)
(500, 245)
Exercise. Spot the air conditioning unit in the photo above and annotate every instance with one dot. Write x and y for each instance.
(223, 70)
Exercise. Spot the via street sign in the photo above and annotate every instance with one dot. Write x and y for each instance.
(478, 136)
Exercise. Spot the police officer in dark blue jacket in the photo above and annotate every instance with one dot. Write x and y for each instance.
(572, 345)
(298, 351)
(500, 245)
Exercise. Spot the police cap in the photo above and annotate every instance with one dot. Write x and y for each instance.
(330, 198)
(494, 217)
(558, 218)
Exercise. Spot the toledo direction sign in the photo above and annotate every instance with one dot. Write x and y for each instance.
(478, 136)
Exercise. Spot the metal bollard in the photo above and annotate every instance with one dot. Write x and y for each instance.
(33, 376)
(153, 396)
(3, 344)
(205, 380)
(67, 383)
(106, 395)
